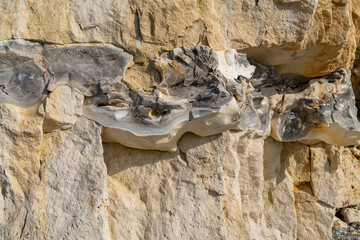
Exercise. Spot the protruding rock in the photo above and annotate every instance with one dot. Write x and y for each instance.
(351, 215)
(200, 92)
(61, 108)
(314, 217)
(84, 66)
(338, 223)
(23, 76)
(319, 109)
(327, 178)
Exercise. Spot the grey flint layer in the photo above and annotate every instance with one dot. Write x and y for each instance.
(202, 91)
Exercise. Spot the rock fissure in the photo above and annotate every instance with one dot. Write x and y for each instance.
(252, 104)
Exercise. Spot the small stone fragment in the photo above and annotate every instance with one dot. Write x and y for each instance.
(61, 108)
(351, 215)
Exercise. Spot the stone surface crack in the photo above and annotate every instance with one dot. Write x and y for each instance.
(137, 26)
(23, 227)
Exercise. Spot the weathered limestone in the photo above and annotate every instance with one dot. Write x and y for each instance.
(274, 149)
(338, 223)
(174, 189)
(61, 108)
(351, 215)
(309, 37)
(314, 217)
(327, 178)
(49, 190)
(296, 160)
(22, 203)
(75, 193)
(201, 91)
(350, 167)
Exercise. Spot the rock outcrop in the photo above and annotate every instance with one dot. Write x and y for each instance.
(201, 91)
(179, 119)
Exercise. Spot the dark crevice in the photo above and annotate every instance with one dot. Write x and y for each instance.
(257, 3)
(152, 25)
(23, 227)
(338, 214)
(183, 157)
(310, 164)
(138, 35)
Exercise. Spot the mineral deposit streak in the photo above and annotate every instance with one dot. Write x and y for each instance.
(201, 91)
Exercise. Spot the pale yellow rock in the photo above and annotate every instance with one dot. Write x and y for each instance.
(45, 177)
(22, 202)
(338, 223)
(327, 178)
(313, 216)
(259, 201)
(126, 215)
(251, 184)
(350, 166)
(237, 227)
(328, 42)
(173, 196)
(296, 157)
(351, 215)
(61, 108)
(270, 23)
(280, 210)
(228, 186)
(205, 156)
(308, 37)
(74, 176)
(6, 12)
(142, 77)
(278, 193)
(273, 166)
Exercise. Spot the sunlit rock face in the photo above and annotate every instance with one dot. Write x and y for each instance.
(201, 91)
(318, 109)
(77, 78)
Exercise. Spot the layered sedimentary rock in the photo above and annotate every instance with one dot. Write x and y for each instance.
(201, 91)
(310, 37)
(251, 104)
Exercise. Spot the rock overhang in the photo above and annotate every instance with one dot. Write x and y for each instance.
(201, 91)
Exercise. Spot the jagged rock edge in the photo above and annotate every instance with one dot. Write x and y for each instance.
(236, 104)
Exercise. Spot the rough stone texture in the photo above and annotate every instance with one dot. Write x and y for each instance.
(61, 108)
(228, 186)
(201, 91)
(338, 223)
(296, 159)
(351, 215)
(22, 202)
(355, 76)
(49, 190)
(156, 195)
(327, 178)
(279, 152)
(75, 180)
(350, 166)
(314, 216)
(317, 36)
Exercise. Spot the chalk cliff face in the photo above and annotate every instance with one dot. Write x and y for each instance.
(179, 119)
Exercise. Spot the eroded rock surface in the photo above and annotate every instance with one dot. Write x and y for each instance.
(201, 91)
(275, 153)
